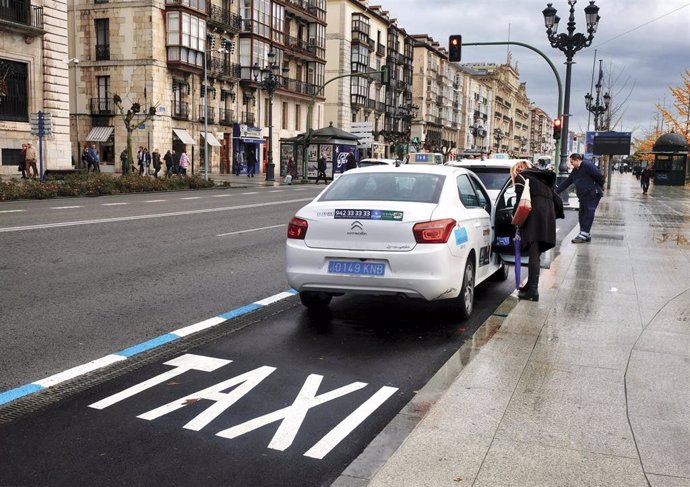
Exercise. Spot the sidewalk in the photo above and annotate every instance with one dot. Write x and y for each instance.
(589, 386)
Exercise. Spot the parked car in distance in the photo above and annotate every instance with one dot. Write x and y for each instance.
(415, 231)
(492, 172)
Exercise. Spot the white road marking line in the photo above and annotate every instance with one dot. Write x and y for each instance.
(191, 198)
(149, 216)
(154, 201)
(113, 204)
(253, 192)
(220, 195)
(79, 370)
(11, 211)
(251, 230)
(276, 191)
(63, 207)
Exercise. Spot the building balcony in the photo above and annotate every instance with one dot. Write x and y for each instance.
(180, 110)
(304, 48)
(210, 118)
(220, 67)
(358, 101)
(297, 86)
(380, 50)
(199, 5)
(102, 52)
(102, 106)
(361, 27)
(21, 17)
(225, 116)
(221, 17)
(248, 118)
(304, 7)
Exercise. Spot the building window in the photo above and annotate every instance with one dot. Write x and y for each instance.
(285, 115)
(10, 157)
(186, 39)
(298, 117)
(14, 97)
(102, 39)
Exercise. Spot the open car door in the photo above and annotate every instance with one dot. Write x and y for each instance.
(504, 230)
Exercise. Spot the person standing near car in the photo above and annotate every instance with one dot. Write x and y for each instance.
(538, 233)
(589, 188)
(351, 162)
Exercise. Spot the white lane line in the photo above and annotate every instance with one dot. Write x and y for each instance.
(253, 192)
(149, 216)
(113, 204)
(154, 201)
(80, 370)
(251, 230)
(191, 198)
(11, 211)
(276, 191)
(220, 195)
(63, 207)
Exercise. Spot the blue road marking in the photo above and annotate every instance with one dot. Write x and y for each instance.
(21, 391)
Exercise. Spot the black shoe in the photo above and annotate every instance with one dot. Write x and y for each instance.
(530, 294)
(581, 239)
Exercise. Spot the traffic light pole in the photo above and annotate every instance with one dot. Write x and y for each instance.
(562, 147)
(310, 108)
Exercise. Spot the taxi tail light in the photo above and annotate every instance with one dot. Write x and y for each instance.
(437, 231)
(297, 229)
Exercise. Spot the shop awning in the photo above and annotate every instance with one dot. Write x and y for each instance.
(99, 134)
(212, 141)
(184, 136)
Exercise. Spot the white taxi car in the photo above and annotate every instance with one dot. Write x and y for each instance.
(493, 172)
(418, 231)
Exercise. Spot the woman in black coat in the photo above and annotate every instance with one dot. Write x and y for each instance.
(539, 230)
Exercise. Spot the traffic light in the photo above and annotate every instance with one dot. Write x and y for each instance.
(454, 48)
(557, 124)
(385, 75)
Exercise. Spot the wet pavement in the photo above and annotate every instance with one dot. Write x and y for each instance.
(589, 386)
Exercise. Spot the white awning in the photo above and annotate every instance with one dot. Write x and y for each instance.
(99, 134)
(184, 136)
(212, 141)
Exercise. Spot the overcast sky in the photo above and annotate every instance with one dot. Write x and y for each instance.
(645, 44)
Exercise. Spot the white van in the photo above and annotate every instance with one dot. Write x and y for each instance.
(425, 158)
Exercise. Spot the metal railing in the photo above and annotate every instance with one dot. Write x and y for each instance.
(210, 112)
(180, 110)
(224, 17)
(248, 118)
(222, 67)
(21, 12)
(102, 106)
(226, 116)
(102, 52)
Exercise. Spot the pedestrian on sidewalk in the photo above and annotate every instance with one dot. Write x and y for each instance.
(22, 161)
(156, 162)
(94, 159)
(645, 176)
(184, 163)
(589, 188)
(321, 169)
(251, 163)
(168, 158)
(124, 159)
(290, 171)
(539, 230)
(31, 169)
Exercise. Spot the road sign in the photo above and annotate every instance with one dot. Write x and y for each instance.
(364, 131)
(41, 124)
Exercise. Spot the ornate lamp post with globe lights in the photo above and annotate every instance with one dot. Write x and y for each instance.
(269, 80)
(597, 108)
(569, 43)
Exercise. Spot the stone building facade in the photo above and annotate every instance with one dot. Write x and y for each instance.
(33, 78)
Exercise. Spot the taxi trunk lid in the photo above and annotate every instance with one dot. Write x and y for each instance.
(374, 226)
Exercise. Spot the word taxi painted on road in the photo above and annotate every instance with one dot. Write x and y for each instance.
(290, 418)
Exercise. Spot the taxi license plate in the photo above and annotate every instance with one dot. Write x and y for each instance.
(356, 268)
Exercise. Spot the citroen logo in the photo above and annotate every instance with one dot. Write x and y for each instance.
(356, 226)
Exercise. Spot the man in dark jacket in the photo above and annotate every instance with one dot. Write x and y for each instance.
(646, 174)
(321, 169)
(589, 188)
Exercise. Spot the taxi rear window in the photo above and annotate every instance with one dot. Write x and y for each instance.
(417, 187)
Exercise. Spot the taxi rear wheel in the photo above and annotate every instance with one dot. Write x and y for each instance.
(315, 299)
(466, 296)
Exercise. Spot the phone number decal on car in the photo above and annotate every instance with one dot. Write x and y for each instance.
(368, 215)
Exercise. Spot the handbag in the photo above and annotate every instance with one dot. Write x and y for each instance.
(524, 206)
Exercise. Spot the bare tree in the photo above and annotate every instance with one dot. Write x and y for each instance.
(132, 122)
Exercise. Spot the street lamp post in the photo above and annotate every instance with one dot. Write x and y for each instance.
(407, 113)
(498, 136)
(597, 108)
(478, 132)
(569, 44)
(75, 62)
(269, 82)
